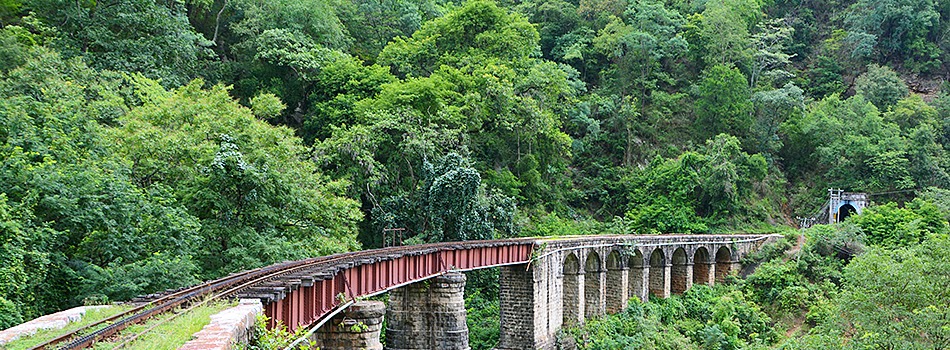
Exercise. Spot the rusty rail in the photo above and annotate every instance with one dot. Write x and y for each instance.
(265, 278)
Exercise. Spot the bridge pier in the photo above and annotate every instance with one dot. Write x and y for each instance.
(428, 315)
(357, 327)
(532, 298)
(594, 281)
(544, 286)
(618, 289)
(689, 275)
(640, 280)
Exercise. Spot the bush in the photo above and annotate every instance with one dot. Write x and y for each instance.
(9, 314)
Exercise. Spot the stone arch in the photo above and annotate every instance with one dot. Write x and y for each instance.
(593, 288)
(616, 291)
(572, 309)
(845, 211)
(679, 273)
(658, 273)
(636, 274)
(701, 267)
(723, 263)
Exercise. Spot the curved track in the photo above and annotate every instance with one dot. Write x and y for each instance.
(240, 282)
(299, 293)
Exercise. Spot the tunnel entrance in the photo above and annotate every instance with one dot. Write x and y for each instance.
(845, 211)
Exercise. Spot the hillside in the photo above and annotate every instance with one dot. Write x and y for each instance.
(150, 145)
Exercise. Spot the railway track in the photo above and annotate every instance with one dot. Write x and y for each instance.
(251, 283)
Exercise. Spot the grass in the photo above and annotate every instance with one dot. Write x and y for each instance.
(47, 334)
(171, 334)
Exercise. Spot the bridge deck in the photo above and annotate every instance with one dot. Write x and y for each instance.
(309, 295)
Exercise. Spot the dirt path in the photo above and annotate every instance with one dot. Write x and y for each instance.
(792, 252)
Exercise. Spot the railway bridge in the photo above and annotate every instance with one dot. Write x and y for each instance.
(545, 284)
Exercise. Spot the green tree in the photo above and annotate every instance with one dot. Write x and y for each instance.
(881, 86)
(725, 28)
(896, 31)
(894, 297)
(696, 190)
(848, 144)
(637, 44)
(772, 108)
(723, 104)
(373, 23)
(152, 38)
(769, 58)
(477, 30)
(258, 197)
(72, 214)
(825, 78)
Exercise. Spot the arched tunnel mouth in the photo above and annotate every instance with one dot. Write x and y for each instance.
(845, 211)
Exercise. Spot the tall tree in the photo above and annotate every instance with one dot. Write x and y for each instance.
(149, 37)
(723, 104)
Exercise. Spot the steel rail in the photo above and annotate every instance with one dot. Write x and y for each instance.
(235, 283)
(172, 301)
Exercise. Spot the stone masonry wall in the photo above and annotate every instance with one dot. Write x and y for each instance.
(52, 321)
(227, 328)
(428, 315)
(358, 327)
(537, 298)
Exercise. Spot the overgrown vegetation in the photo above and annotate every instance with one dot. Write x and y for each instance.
(846, 288)
(91, 316)
(150, 145)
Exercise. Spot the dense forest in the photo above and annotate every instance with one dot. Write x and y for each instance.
(148, 145)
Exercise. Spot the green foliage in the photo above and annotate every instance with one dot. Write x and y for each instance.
(696, 189)
(148, 37)
(69, 201)
(450, 205)
(258, 198)
(266, 106)
(894, 298)
(314, 19)
(772, 108)
(891, 226)
(637, 45)
(723, 105)
(554, 225)
(442, 117)
(638, 326)
(372, 24)
(113, 186)
(482, 318)
(9, 314)
(825, 78)
(896, 30)
(278, 337)
(881, 86)
(477, 30)
(724, 32)
(849, 144)
(702, 318)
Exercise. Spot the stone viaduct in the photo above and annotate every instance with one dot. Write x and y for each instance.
(560, 282)
(575, 279)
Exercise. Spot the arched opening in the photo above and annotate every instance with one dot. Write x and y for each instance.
(616, 293)
(657, 273)
(571, 304)
(845, 211)
(723, 264)
(636, 274)
(701, 267)
(678, 273)
(593, 305)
